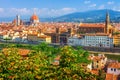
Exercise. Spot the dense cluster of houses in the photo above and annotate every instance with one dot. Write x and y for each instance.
(83, 34)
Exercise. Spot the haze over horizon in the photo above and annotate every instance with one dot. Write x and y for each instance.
(53, 8)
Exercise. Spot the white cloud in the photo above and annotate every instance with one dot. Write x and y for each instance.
(43, 12)
(1, 10)
(116, 8)
(87, 2)
(68, 10)
(53, 12)
(58, 12)
(110, 2)
(101, 7)
(93, 5)
(19, 10)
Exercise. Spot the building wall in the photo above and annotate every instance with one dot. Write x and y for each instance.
(89, 66)
(64, 38)
(74, 41)
(1, 37)
(34, 21)
(55, 38)
(116, 40)
(32, 38)
(42, 38)
(95, 41)
(48, 40)
(98, 41)
(90, 30)
(114, 71)
(98, 64)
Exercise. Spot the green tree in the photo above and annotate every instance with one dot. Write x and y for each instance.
(70, 64)
(38, 64)
(12, 65)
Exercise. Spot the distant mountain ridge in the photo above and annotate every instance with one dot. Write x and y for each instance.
(93, 16)
(89, 16)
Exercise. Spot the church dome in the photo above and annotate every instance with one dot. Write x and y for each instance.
(34, 17)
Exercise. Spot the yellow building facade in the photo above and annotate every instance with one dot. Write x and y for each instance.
(39, 38)
(116, 40)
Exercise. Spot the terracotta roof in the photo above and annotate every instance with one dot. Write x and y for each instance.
(23, 52)
(114, 65)
(43, 36)
(111, 77)
(97, 34)
(96, 58)
(4, 33)
(117, 25)
(34, 17)
(92, 25)
(32, 34)
(55, 63)
(57, 58)
(94, 71)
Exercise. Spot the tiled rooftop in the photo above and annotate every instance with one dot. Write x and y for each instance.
(114, 65)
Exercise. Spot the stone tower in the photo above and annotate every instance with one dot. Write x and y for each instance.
(57, 30)
(18, 20)
(107, 23)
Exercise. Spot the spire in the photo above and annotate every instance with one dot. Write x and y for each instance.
(107, 22)
(107, 18)
(18, 20)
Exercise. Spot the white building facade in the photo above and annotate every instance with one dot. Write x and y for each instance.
(97, 40)
(75, 41)
(93, 40)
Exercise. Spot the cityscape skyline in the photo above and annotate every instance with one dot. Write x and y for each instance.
(53, 8)
(60, 39)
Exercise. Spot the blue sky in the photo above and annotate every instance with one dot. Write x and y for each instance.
(52, 8)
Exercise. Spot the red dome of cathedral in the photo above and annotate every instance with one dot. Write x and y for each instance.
(34, 17)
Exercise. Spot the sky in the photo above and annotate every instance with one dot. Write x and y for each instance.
(53, 8)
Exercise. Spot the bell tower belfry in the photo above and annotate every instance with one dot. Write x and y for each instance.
(107, 22)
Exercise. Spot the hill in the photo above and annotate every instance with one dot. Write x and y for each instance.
(89, 16)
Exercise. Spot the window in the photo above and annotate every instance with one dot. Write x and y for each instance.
(97, 61)
(97, 66)
(111, 69)
(114, 70)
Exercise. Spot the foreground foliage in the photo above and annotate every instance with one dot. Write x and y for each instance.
(38, 64)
